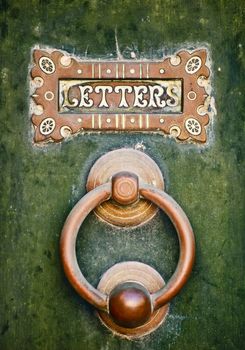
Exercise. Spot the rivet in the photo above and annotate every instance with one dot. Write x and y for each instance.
(191, 95)
(38, 81)
(65, 60)
(174, 131)
(49, 95)
(38, 110)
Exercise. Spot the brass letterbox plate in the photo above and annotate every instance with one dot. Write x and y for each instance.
(73, 95)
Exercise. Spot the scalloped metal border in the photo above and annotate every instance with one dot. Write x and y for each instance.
(189, 127)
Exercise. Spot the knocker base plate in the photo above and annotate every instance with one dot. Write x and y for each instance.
(143, 274)
(132, 161)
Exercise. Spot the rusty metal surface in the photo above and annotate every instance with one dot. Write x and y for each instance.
(73, 96)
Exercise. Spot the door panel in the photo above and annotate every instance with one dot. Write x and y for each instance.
(40, 185)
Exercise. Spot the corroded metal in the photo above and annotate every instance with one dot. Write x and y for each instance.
(73, 95)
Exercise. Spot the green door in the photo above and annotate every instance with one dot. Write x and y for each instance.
(40, 185)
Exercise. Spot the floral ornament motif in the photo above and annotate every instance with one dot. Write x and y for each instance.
(193, 126)
(47, 126)
(47, 65)
(193, 65)
(54, 72)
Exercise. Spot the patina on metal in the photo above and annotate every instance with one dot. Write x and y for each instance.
(73, 95)
(128, 304)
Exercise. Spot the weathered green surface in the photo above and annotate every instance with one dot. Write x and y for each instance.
(39, 309)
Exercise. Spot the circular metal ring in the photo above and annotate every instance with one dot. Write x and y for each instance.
(96, 197)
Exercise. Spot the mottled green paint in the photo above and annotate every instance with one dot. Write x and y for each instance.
(39, 186)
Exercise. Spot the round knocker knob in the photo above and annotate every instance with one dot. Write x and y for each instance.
(130, 305)
(131, 297)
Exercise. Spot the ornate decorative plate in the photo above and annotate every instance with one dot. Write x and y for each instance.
(73, 95)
